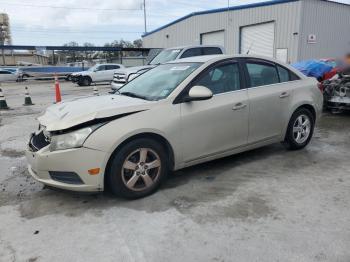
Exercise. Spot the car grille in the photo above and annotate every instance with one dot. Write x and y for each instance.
(119, 78)
(38, 141)
(66, 177)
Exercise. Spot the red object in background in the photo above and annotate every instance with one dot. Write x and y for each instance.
(57, 90)
(331, 73)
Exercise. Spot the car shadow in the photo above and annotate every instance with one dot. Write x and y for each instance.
(206, 182)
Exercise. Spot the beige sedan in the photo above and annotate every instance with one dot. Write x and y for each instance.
(176, 115)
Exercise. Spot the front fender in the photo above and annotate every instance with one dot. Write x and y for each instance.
(162, 121)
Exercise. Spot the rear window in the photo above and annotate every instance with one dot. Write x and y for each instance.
(192, 52)
(111, 67)
(212, 51)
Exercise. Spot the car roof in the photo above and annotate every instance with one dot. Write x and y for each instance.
(192, 46)
(108, 64)
(209, 58)
(215, 58)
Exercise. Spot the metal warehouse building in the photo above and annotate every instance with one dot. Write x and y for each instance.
(289, 30)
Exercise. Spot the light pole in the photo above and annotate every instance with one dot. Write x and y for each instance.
(144, 15)
(3, 38)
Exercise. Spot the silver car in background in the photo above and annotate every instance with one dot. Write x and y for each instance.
(123, 76)
(176, 115)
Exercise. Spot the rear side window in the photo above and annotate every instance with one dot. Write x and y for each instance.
(111, 67)
(286, 75)
(192, 52)
(211, 51)
(283, 73)
(5, 72)
(262, 74)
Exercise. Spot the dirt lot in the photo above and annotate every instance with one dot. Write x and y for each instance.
(264, 205)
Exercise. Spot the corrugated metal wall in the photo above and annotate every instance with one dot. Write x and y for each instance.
(187, 32)
(330, 22)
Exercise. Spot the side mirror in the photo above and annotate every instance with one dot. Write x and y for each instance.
(198, 93)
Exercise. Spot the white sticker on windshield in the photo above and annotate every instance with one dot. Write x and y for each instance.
(180, 68)
(175, 50)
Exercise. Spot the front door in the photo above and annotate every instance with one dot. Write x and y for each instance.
(219, 124)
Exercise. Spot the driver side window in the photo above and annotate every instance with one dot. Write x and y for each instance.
(221, 79)
(101, 68)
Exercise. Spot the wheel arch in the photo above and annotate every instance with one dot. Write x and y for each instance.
(307, 106)
(154, 136)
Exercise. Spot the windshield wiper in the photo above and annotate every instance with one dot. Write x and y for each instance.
(133, 95)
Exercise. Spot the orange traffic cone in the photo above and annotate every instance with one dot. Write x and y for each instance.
(57, 90)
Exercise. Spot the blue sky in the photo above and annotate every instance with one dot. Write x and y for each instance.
(44, 22)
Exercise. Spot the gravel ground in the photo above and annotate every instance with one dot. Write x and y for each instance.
(267, 205)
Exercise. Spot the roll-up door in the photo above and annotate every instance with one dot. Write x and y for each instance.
(258, 39)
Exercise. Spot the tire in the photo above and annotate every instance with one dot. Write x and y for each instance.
(86, 81)
(129, 175)
(299, 135)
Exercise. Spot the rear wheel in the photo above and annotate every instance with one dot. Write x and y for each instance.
(137, 169)
(300, 129)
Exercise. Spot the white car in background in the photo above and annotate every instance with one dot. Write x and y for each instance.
(123, 76)
(95, 74)
(173, 116)
(10, 74)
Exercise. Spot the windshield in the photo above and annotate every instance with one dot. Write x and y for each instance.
(158, 82)
(165, 56)
(93, 68)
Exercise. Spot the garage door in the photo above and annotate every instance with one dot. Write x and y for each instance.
(213, 38)
(258, 39)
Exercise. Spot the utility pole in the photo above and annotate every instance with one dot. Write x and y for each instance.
(2, 42)
(144, 15)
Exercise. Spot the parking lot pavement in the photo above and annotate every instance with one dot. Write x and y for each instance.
(264, 205)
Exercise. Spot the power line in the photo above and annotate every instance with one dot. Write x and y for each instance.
(72, 32)
(75, 8)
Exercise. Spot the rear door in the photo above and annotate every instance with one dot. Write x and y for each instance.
(269, 100)
(7, 76)
(109, 73)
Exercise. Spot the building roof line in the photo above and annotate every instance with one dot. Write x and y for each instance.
(231, 8)
(219, 10)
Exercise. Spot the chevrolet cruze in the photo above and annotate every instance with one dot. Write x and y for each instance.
(176, 115)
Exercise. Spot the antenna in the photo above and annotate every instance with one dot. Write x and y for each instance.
(250, 47)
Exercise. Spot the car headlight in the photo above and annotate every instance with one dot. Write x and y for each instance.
(72, 139)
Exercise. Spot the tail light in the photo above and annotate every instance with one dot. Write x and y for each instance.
(320, 86)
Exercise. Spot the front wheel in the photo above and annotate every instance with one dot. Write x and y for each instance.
(300, 129)
(137, 169)
(85, 81)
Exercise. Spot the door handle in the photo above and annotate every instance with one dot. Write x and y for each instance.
(284, 95)
(239, 106)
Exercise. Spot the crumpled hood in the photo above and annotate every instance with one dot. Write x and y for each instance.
(134, 69)
(82, 73)
(74, 112)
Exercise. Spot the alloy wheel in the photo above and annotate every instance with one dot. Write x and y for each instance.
(301, 129)
(141, 169)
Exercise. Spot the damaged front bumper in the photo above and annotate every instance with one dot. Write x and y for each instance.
(66, 169)
(338, 103)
